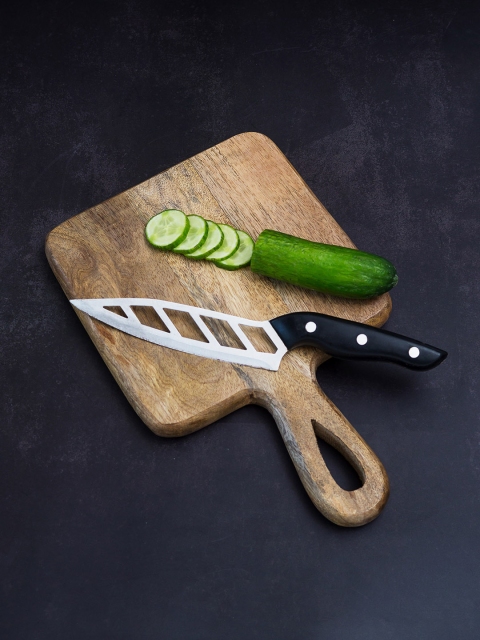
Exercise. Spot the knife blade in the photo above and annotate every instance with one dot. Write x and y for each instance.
(334, 336)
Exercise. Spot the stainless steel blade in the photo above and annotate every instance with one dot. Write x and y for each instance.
(95, 307)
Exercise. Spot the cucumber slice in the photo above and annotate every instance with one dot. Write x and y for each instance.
(196, 235)
(167, 229)
(229, 245)
(213, 241)
(241, 257)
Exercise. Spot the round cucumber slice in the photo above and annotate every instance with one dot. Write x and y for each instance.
(167, 229)
(213, 241)
(196, 236)
(229, 245)
(241, 257)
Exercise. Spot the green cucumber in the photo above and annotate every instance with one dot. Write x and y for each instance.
(336, 270)
(196, 236)
(167, 229)
(229, 244)
(241, 257)
(213, 241)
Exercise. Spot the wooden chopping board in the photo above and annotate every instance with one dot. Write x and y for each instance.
(247, 182)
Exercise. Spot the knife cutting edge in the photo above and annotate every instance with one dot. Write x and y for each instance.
(334, 336)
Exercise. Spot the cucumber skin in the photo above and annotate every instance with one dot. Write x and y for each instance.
(229, 267)
(339, 271)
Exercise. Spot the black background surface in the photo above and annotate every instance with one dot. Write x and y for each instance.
(107, 531)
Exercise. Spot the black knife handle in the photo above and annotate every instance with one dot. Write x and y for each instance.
(355, 341)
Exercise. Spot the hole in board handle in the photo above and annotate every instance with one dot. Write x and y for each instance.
(342, 470)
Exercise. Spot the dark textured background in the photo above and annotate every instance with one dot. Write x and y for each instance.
(107, 531)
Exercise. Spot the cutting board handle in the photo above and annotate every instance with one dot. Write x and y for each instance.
(305, 413)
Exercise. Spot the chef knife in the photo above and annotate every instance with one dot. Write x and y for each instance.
(334, 336)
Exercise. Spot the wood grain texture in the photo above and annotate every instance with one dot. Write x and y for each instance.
(247, 182)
